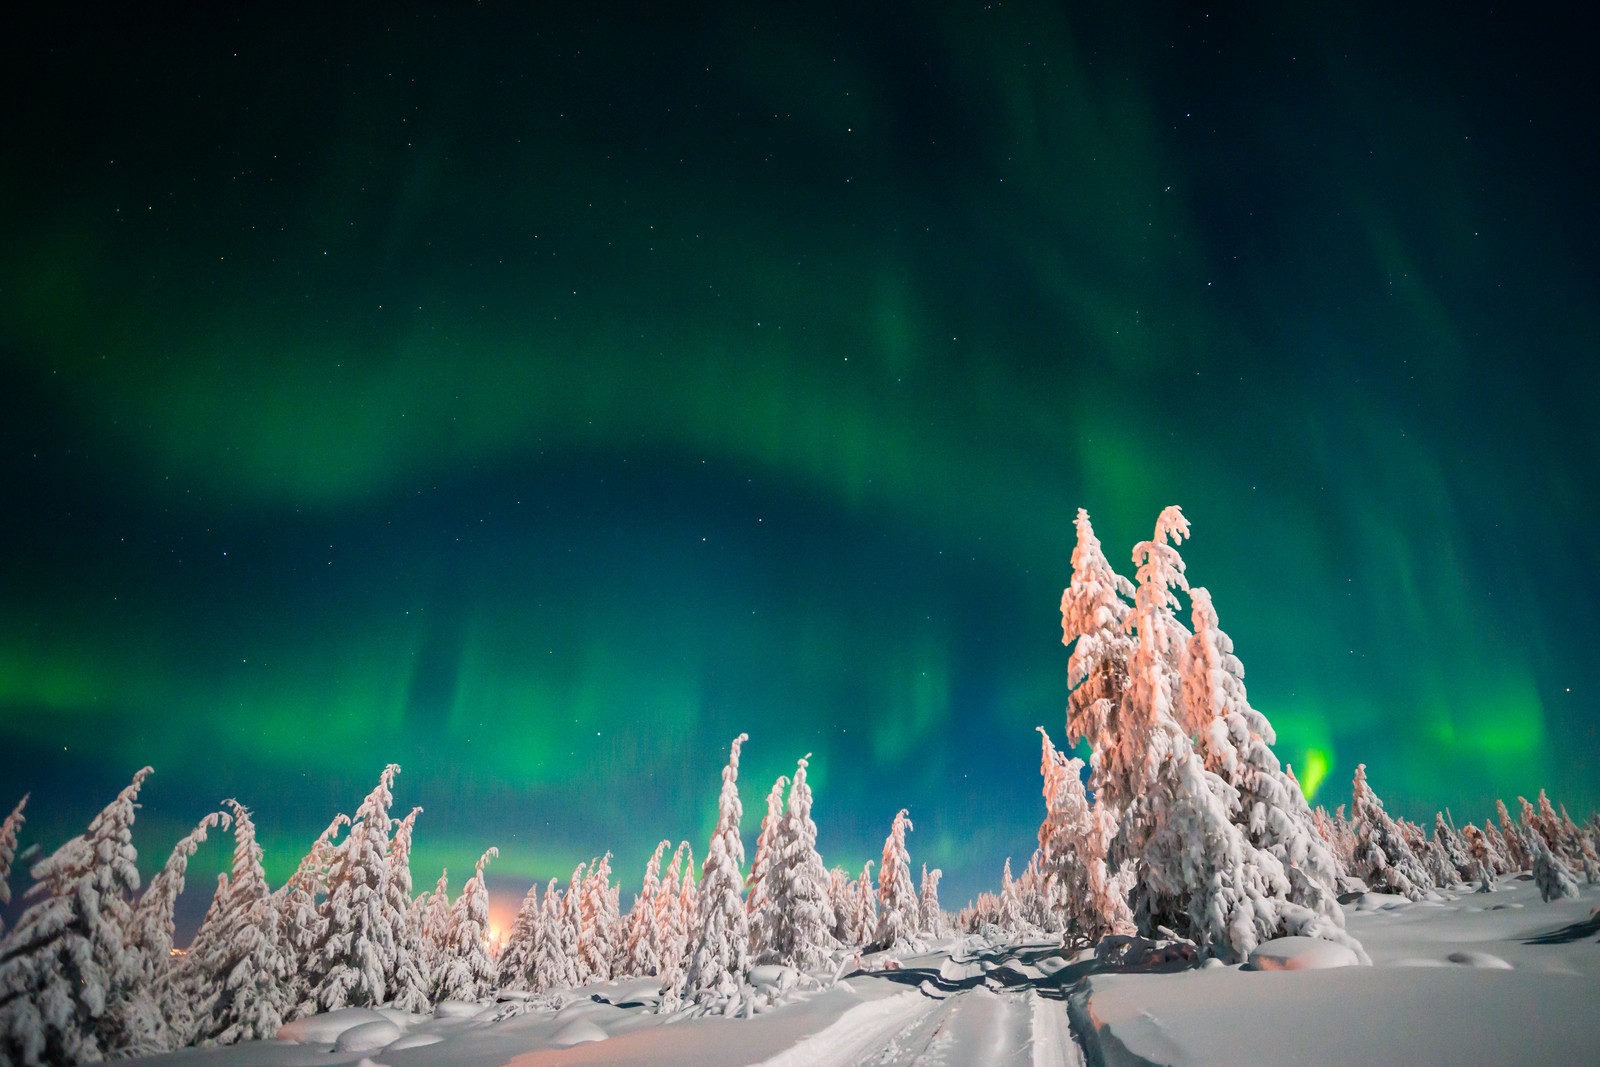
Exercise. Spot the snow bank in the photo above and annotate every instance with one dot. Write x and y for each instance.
(1300, 954)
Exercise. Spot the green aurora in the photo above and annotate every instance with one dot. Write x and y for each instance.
(537, 401)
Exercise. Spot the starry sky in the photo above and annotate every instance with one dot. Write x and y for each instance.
(537, 399)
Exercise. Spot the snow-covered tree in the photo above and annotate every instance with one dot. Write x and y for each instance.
(514, 968)
(1236, 741)
(67, 971)
(153, 923)
(151, 934)
(799, 884)
(928, 902)
(241, 985)
(899, 916)
(598, 922)
(675, 912)
(644, 949)
(1477, 845)
(760, 905)
(1073, 843)
(349, 962)
(864, 916)
(8, 851)
(555, 952)
(430, 917)
(842, 899)
(720, 953)
(464, 971)
(1382, 857)
(1518, 850)
(1551, 873)
(1094, 613)
(301, 923)
(404, 980)
(1009, 918)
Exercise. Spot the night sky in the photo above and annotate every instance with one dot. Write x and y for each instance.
(538, 398)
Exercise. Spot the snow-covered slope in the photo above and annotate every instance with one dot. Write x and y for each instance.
(1461, 978)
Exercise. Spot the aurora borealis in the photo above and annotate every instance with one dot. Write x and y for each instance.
(537, 400)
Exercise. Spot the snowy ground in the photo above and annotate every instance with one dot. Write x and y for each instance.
(1464, 979)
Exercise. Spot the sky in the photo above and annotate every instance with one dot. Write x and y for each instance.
(538, 399)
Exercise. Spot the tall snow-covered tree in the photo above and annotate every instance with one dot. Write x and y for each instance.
(1074, 840)
(1551, 873)
(514, 968)
(153, 921)
(1235, 741)
(464, 971)
(864, 915)
(430, 917)
(300, 920)
(67, 972)
(719, 955)
(799, 884)
(760, 903)
(151, 933)
(1382, 857)
(242, 976)
(555, 953)
(598, 921)
(1517, 847)
(928, 902)
(842, 899)
(1094, 614)
(675, 910)
(570, 912)
(898, 911)
(1009, 919)
(1477, 844)
(8, 851)
(349, 963)
(644, 950)
(403, 978)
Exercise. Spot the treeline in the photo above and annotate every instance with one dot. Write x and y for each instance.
(90, 970)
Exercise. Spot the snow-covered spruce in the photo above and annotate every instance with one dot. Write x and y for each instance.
(899, 914)
(1094, 613)
(1382, 857)
(514, 968)
(1073, 842)
(67, 972)
(556, 948)
(151, 937)
(8, 851)
(464, 970)
(799, 884)
(719, 957)
(930, 915)
(300, 920)
(598, 922)
(349, 962)
(644, 946)
(1551, 873)
(1235, 741)
(405, 979)
(239, 976)
(760, 906)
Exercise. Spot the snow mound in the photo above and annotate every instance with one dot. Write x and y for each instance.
(955, 972)
(414, 1041)
(456, 1009)
(1479, 959)
(577, 1032)
(364, 1037)
(326, 1028)
(1300, 954)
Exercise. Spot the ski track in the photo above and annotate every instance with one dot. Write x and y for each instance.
(851, 1039)
(977, 1026)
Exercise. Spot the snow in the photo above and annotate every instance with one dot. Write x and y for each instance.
(1464, 977)
(1300, 954)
